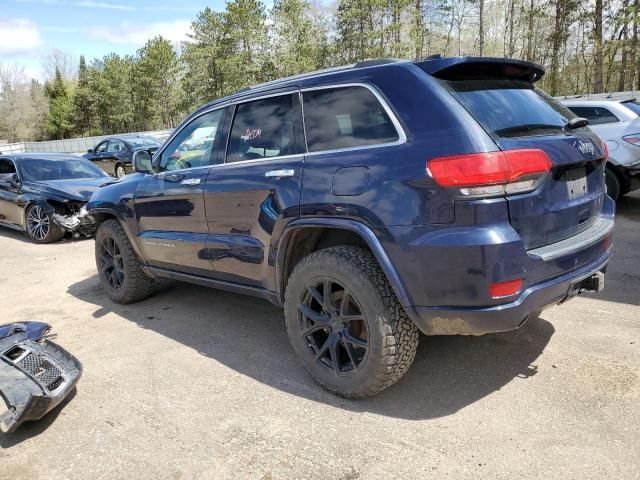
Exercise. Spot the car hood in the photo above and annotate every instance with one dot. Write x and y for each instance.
(79, 189)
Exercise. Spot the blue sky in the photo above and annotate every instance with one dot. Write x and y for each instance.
(29, 29)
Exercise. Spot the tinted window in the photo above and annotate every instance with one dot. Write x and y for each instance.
(345, 118)
(511, 108)
(6, 167)
(595, 115)
(633, 106)
(36, 170)
(101, 148)
(114, 146)
(262, 129)
(194, 145)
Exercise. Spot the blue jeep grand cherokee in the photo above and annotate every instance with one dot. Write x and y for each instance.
(448, 196)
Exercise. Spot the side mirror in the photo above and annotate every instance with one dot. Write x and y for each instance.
(9, 183)
(90, 150)
(142, 161)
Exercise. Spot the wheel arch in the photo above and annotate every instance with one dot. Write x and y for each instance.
(304, 236)
(101, 214)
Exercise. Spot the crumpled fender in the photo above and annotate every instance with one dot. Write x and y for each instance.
(35, 373)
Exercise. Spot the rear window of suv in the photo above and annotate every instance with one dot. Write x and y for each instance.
(595, 115)
(632, 105)
(510, 108)
(345, 117)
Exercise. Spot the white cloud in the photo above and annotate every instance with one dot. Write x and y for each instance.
(138, 34)
(18, 36)
(111, 6)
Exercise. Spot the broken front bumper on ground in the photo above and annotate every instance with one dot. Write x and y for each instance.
(35, 373)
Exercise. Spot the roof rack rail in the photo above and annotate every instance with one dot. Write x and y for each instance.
(376, 61)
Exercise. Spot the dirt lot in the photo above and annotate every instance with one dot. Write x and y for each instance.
(195, 383)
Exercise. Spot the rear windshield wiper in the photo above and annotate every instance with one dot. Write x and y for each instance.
(515, 130)
(576, 122)
(527, 128)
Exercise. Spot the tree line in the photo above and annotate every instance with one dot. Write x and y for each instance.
(585, 46)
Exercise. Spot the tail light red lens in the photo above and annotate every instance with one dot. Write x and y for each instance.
(491, 173)
(605, 150)
(633, 139)
(505, 289)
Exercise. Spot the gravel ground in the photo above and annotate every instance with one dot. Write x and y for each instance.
(196, 383)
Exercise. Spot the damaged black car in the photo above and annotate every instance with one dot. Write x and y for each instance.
(44, 195)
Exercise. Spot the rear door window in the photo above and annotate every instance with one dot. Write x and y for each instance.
(595, 115)
(264, 129)
(345, 117)
(511, 108)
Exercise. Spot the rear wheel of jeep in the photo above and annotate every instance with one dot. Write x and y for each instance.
(118, 265)
(346, 324)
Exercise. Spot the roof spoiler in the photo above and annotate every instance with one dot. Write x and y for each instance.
(475, 68)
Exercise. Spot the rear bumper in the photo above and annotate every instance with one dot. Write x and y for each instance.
(510, 316)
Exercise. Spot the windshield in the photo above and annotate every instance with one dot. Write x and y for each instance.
(511, 108)
(37, 170)
(143, 142)
(633, 105)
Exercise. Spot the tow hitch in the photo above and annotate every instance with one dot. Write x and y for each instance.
(593, 283)
(35, 373)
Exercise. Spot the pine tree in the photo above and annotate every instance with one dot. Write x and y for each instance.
(156, 85)
(84, 103)
(59, 121)
(294, 47)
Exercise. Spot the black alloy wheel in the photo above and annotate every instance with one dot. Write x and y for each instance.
(345, 323)
(119, 268)
(333, 325)
(110, 263)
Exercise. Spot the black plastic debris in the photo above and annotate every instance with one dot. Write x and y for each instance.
(35, 373)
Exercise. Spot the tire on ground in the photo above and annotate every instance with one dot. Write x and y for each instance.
(137, 285)
(613, 184)
(55, 233)
(393, 337)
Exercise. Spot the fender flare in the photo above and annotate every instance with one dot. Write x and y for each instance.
(361, 230)
(118, 216)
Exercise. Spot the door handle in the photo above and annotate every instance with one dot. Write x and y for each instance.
(280, 173)
(172, 177)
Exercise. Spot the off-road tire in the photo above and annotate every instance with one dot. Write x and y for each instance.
(136, 285)
(55, 232)
(393, 337)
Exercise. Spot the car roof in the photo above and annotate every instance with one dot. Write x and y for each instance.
(434, 65)
(127, 137)
(42, 156)
(600, 98)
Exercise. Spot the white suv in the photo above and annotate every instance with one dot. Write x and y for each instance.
(617, 121)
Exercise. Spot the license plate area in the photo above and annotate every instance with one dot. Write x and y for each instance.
(576, 180)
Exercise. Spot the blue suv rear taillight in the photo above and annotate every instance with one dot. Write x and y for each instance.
(492, 173)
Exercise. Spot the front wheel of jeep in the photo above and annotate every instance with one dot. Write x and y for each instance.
(119, 268)
(345, 323)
